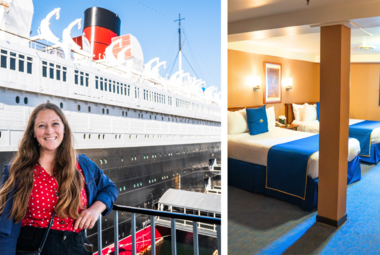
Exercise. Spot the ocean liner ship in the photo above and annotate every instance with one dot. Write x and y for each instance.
(148, 133)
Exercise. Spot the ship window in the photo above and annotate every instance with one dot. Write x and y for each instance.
(123, 187)
(134, 185)
(104, 136)
(101, 162)
(122, 113)
(21, 64)
(115, 136)
(101, 84)
(13, 54)
(84, 136)
(89, 136)
(149, 181)
(64, 72)
(105, 161)
(12, 63)
(76, 77)
(4, 51)
(29, 67)
(126, 113)
(96, 84)
(25, 100)
(3, 61)
(150, 116)
(117, 89)
(103, 110)
(120, 188)
(119, 136)
(121, 159)
(61, 105)
(89, 109)
(108, 111)
(58, 73)
(78, 107)
(51, 71)
(87, 79)
(132, 158)
(113, 86)
(17, 99)
(110, 85)
(81, 79)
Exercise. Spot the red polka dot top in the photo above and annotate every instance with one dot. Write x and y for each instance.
(42, 202)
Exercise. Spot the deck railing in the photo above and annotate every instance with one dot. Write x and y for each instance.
(173, 216)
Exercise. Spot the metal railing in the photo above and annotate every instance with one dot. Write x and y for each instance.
(173, 216)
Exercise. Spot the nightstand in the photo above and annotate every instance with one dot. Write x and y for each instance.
(290, 126)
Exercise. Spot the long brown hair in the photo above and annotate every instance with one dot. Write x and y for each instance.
(69, 179)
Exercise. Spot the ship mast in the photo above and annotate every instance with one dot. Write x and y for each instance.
(179, 42)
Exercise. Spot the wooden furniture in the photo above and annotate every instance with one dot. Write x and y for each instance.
(291, 126)
(234, 109)
(289, 111)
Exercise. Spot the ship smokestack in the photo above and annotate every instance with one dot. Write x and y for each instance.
(100, 26)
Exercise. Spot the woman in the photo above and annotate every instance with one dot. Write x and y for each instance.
(48, 176)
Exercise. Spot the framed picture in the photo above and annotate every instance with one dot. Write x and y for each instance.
(272, 88)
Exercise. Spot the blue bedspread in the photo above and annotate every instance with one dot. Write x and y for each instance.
(362, 131)
(287, 166)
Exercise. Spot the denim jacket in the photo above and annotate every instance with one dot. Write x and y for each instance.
(98, 188)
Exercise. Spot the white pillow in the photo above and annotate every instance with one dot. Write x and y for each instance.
(236, 123)
(271, 117)
(298, 111)
(243, 112)
(309, 113)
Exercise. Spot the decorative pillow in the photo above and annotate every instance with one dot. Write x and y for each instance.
(271, 117)
(244, 114)
(236, 123)
(298, 111)
(309, 113)
(318, 110)
(257, 120)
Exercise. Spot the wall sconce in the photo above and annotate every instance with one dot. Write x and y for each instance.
(256, 83)
(288, 83)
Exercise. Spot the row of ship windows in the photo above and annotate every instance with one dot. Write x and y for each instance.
(146, 156)
(85, 136)
(16, 62)
(59, 73)
(139, 184)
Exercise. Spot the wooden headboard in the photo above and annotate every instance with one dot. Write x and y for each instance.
(289, 111)
(234, 109)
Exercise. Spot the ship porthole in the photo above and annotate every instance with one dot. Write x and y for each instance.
(25, 100)
(61, 105)
(17, 99)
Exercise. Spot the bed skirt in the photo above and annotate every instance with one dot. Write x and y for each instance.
(374, 156)
(251, 177)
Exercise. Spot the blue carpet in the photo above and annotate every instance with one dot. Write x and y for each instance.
(262, 225)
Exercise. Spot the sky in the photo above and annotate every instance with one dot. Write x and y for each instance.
(152, 23)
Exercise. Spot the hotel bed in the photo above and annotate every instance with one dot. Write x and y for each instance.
(248, 165)
(370, 150)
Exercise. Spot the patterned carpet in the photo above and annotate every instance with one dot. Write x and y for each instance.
(259, 224)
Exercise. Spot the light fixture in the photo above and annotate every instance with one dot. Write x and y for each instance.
(288, 83)
(256, 83)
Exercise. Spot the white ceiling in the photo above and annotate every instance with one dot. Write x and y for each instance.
(262, 26)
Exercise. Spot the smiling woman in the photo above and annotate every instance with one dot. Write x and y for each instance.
(48, 178)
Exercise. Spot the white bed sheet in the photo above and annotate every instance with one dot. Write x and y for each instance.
(313, 127)
(254, 149)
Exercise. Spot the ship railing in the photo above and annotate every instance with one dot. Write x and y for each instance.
(153, 214)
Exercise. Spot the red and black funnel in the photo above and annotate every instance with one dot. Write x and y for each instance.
(100, 26)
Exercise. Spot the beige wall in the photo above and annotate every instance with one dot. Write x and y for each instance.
(242, 66)
(364, 92)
